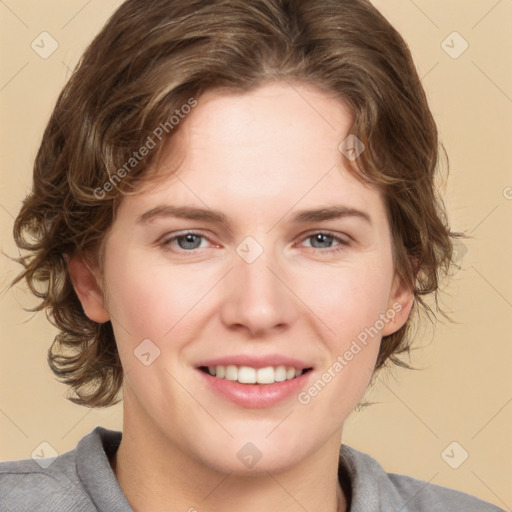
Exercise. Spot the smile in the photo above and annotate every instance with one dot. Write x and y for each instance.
(250, 375)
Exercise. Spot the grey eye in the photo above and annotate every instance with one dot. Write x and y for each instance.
(323, 239)
(189, 241)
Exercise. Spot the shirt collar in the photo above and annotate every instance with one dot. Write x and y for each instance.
(364, 482)
(95, 472)
(370, 487)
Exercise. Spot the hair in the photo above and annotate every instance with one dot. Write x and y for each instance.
(138, 79)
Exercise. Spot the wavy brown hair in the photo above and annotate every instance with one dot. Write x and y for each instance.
(151, 60)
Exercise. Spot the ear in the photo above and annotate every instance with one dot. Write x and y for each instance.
(84, 276)
(400, 302)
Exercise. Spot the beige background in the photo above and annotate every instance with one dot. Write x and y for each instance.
(463, 392)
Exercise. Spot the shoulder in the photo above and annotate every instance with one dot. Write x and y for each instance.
(423, 496)
(373, 488)
(48, 484)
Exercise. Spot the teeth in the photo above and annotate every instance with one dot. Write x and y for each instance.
(231, 372)
(280, 374)
(246, 375)
(249, 375)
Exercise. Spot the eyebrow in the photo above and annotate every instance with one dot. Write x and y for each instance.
(183, 212)
(217, 217)
(328, 213)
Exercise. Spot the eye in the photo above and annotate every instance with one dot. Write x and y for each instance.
(188, 241)
(322, 241)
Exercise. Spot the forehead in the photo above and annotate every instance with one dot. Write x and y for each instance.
(273, 121)
(267, 149)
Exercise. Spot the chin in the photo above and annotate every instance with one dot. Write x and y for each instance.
(246, 458)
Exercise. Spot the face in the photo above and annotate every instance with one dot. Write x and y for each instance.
(260, 251)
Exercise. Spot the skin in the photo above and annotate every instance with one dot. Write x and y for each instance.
(258, 157)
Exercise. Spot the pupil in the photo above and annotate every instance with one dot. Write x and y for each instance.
(189, 241)
(321, 238)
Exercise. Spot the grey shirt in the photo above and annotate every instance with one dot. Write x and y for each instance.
(82, 480)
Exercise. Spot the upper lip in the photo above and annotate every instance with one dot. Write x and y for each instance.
(256, 361)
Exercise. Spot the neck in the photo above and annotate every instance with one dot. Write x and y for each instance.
(156, 474)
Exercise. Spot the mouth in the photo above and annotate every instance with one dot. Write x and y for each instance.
(256, 381)
(249, 375)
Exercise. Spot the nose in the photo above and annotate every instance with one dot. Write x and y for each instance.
(258, 298)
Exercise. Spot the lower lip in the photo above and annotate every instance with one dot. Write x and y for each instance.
(256, 396)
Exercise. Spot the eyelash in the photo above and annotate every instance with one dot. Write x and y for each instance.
(342, 243)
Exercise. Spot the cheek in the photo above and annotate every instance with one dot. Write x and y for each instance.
(348, 299)
(139, 299)
(348, 303)
(148, 298)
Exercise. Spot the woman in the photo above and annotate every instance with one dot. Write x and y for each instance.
(234, 216)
